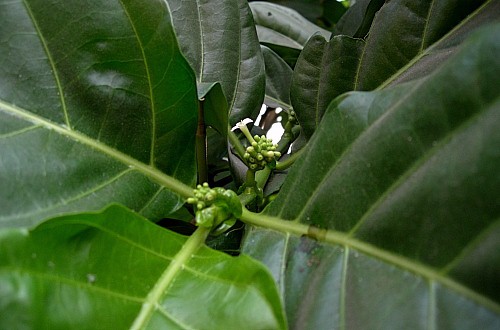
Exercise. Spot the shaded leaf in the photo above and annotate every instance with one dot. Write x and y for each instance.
(278, 79)
(219, 40)
(111, 270)
(284, 21)
(402, 30)
(405, 181)
(91, 112)
(283, 29)
(215, 106)
(325, 70)
(357, 20)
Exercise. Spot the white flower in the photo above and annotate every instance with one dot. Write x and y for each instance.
(241, 124)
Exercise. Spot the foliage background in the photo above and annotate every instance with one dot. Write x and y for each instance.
(388, 219)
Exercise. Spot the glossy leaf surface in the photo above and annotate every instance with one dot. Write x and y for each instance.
(325, 70)
(106, 270)
(405, 183)
(220, 42)
(95, 98)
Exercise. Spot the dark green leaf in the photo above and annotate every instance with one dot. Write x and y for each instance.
(289, 55)
(215, 106)
(282, 25)
(357, 20)
(220, 42)
(404, 29)
(278, 79)
(405, 182)
(117, 270)
(325, 70)
(95, 99)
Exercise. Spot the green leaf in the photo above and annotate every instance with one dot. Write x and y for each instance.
(284, 22)
(404, 29)
(320, 12)
(401, 186)
(278, 79)
(283, 29)
(325, 70)
(219, 40)
(356, 22)
(117, 270)
(95, 98)
(215, 106)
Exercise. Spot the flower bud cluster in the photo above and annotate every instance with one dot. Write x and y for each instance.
(216, 206)
(262, 152)
(203, 196)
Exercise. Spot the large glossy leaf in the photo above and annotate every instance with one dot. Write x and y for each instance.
(407, 40)
(220, 42)
(404, 184)
(95, 99)
(117, 270)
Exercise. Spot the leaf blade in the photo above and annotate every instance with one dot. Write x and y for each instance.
(329, 207)
(99, 84)
(82, 268)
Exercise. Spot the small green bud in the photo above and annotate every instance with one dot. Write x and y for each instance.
(246, 155)
(277, 154)
(210, 196)
(191, 200)
(260, 157)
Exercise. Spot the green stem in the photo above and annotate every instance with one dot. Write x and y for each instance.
(247, 197)
(250, 179)
(201, 145)
(289, 161)
(235, 142)
(152, 303)
(262, 176)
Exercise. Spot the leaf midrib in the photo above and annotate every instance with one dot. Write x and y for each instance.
(339, 238)
(147, 170)
(435, 44)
